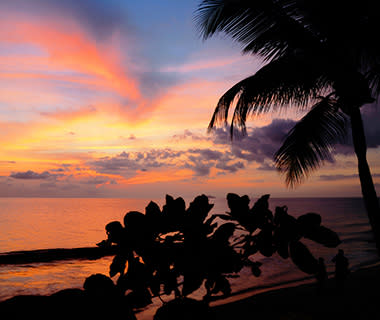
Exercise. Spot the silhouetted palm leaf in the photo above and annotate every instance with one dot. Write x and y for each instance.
(310, 141)
(373, 77)
(294, 80)
(268, 28)
(341, 35)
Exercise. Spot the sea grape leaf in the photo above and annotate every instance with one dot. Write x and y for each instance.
(117, 266)
(173, 213)
(209, 226)
(278, 214)
(282, 250)
(223, 285)
(210, 220)
(115, 232)
(262, 203)
(287, 227)
(264, 242)
(302, 257)
(218, 284)
(324, 236)
(250, 248)
(308, 222)
(261, 211)
(226, 217)
(134, 220)
(199, 208)
(224, 232)
(281, 239)
(155, 285)
(152, 210)
(180, 204)
(255, 268)
(238, 205)
(191, 282)
(169, 199)
(139, 298)
(209, 284)
(170, 282)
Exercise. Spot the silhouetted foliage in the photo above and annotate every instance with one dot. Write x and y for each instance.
(176, 250)
(321, 57)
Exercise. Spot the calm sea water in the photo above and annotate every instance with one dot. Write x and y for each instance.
(27, 224)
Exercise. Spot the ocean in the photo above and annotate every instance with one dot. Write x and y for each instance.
(37, 223)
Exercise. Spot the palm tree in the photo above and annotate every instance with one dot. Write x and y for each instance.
(322, 57)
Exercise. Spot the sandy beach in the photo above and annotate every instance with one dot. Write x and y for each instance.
(359, 300)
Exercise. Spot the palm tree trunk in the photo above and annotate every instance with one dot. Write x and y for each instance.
(370, 198)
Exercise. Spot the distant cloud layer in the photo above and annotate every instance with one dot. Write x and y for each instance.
(260, 144)
(108, 98)
(200, 161)
(31, 175)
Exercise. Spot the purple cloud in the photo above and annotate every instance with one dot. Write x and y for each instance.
(31, 175)
(260, 144)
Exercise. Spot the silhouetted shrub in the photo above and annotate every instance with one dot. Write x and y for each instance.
(99, 285)
(177, 250)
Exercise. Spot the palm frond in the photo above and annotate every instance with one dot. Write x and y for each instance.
(291, 80)
(311, 140)
(373, 78)
(267, 28)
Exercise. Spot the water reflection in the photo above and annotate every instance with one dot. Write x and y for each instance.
(47, 278)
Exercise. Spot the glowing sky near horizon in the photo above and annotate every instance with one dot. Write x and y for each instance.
(113, 99)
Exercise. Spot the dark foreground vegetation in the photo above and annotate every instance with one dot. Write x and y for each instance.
(174, 251)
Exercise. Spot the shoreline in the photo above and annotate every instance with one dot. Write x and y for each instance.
(287, 301)
(358, 300)
(55, 254)
(306, 280)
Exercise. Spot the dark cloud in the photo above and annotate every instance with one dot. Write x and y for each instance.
(267, 167)
(31, 175)
(187, 134)
(207, 154)
(48, 185)
(99, 180)
(199, 167)
(134, 161)
(233, 167)
(200, 161)
(334, 177)
(260, 144)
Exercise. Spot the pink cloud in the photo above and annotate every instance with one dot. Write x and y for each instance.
(203, 64)
(66, 47)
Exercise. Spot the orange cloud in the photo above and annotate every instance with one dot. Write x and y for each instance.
(67, 47)
(69, 114)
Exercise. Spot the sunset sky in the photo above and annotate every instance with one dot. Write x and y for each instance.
(113, 99)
